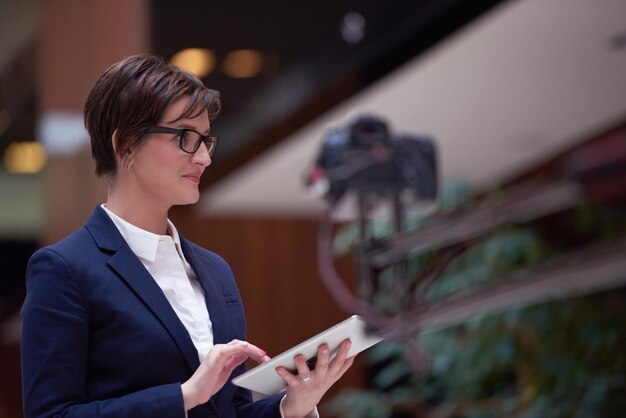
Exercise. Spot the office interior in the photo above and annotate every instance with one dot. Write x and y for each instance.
(515, 94)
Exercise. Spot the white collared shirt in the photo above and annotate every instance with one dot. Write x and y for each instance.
(163, 257)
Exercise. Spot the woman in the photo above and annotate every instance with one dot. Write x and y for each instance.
(125, 317)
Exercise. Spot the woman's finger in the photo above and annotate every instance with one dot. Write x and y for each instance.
(244, 347)
(289, 378)
(345, 366)
(235, 361)
(303, 369)
(323, 358)
(341, 356)
(342, 353)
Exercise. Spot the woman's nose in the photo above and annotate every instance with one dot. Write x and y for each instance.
(202, 155)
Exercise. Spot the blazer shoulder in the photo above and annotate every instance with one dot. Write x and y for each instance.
(75, 243)
(73, 251)
(206, 254)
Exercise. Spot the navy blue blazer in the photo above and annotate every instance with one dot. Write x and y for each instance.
(101, 340)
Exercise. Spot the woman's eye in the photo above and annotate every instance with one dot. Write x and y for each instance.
(184, 138)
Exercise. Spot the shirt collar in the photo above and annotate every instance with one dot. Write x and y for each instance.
(143, 243)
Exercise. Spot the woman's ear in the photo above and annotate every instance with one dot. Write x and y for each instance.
(125, 159)
(114, 139)
(116, 147)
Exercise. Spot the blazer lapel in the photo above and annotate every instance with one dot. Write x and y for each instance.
(126, 264)
(213, 293)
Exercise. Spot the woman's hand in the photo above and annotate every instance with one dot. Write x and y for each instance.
(215, 369)
(306, 388)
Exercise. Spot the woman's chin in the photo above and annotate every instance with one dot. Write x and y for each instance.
(188, 200)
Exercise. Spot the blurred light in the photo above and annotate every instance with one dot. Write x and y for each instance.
(195, 60)
(242, 63)
(5, 121)
(353, 27)
(62, 132)
(26, 157)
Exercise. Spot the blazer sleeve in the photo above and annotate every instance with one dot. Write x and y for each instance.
(267, 408)
(54, 349)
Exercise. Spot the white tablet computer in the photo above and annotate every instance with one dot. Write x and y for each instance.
(263, 378)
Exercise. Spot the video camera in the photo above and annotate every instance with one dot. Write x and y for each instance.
(365, 157)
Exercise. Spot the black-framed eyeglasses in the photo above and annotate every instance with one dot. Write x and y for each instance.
(189, 140)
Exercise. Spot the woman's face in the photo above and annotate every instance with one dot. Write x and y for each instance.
(164, 175)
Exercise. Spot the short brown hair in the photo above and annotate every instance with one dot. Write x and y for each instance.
(131, 96)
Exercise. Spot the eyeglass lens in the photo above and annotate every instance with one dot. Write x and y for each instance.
(190, 141)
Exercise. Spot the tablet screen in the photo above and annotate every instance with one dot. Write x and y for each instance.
(263, 378)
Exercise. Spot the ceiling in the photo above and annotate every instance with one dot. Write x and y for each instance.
(309, 61)
(522, 83)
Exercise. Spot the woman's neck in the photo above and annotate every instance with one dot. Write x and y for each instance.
(132, 208)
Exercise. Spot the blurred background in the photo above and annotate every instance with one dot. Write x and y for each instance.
(511, 91)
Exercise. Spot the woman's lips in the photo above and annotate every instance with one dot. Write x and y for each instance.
(193, 177)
